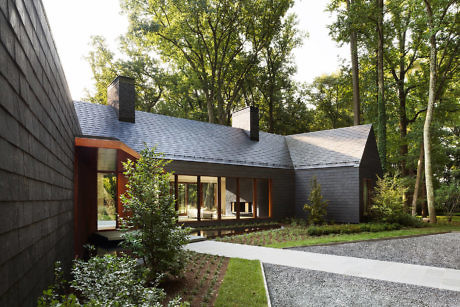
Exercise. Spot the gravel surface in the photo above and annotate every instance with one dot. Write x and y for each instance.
(442, 250)
(297, 287)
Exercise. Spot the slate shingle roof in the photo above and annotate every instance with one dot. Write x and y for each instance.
(328, 148)
(184, 139)
(189, 140)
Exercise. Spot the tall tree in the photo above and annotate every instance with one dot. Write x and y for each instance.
(438, 16)
(354, 67)
(216, 42)
(382, 116)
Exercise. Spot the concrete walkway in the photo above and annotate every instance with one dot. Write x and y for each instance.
(427, 276)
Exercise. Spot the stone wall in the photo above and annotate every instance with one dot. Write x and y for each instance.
(38, 124)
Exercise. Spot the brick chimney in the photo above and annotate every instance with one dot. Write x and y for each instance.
(121, 96)
(247, 119)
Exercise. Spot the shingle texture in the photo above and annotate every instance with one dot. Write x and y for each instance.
(328, 148)
(189, 140)
(184, 139)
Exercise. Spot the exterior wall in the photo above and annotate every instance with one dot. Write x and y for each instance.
(37, 129)
(339, 185)
(282, 181)
(370, 166)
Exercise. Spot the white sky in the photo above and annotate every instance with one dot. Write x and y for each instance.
(74, 22)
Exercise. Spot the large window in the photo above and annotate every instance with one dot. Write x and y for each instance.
(199, 197)
(106, 189)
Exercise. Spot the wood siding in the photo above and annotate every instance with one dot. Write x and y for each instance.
(38, 125)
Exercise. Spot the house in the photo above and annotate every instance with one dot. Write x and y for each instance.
(221, 173)
(60, 159)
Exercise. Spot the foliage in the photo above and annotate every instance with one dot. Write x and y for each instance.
(388, 199)
(317, 207)
(243, 284)
(388, 204)
(103, 281)
(448, 198)
(113, 281)
(157, 238)
(350, 228)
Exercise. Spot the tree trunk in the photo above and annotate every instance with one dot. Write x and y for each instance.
(382, 119)
(429, 117)
(354, 70)
(417, 181)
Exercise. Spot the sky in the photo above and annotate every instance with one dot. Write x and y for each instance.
(74, 22)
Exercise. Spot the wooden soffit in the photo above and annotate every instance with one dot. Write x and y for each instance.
(104, 143)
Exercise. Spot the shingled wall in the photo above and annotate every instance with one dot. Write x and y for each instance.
(38, 124)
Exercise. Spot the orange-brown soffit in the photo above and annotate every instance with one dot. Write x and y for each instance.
(101, 143)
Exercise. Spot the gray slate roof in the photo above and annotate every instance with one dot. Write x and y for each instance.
(189, 140)
(328, 148)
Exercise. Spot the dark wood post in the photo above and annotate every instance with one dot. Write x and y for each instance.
(176, 194)
(254, 198)
(270, 197)
(237, 203)
(198, 205)
(219, 198)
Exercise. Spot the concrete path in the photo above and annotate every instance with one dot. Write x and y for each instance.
(427, 276)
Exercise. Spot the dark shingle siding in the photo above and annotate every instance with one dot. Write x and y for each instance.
(37, 128)
(340, 186)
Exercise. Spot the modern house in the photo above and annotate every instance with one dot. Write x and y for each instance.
(221, 173)
(61, 172)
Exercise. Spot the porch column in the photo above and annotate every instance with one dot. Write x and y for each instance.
(219, 198)
(198, 205)
(254, 198)
(176, 194)
(237, 203)
(270, 197)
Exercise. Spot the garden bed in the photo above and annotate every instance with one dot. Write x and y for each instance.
(201, 281)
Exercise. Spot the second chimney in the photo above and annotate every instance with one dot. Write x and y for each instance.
(121, 96)
(247, 119)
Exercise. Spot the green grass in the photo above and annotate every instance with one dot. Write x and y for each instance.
(243, 285)
(363, 236)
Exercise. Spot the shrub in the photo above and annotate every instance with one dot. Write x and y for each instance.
(317, 207)
(157, 238)
(103, 281)
(448, 198)
(350, 228)
(388, 200)
(113, 281)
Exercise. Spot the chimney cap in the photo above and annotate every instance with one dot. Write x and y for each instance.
(118, 78)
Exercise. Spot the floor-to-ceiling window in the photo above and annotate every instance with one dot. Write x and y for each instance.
(106, 189)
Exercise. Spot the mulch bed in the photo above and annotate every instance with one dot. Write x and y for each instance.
(201, 282)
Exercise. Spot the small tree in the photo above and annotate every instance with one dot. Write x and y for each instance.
(156, 237)
(388, 202)
(317, 207)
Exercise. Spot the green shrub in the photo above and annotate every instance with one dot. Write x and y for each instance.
(317, 208)
(157, 238)
(103, 281)
(350, 228)
(448, 199)
(113, 281)
(387, 203)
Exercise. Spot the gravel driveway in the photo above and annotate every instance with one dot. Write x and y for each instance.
(297, 287)
(442, 250)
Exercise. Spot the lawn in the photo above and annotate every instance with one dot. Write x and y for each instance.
(290, 236)
(243, 285)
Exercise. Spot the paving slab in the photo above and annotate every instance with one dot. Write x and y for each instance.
(426, 276)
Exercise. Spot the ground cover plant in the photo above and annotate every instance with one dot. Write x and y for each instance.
(298, 234)
(243, 285)
(200, 282)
